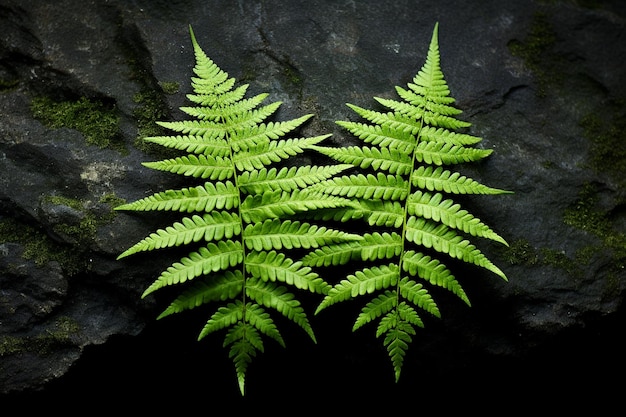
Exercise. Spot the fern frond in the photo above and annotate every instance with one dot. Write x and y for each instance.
(225, 111)
(439, 153)
(243, 217)
(262, 321)
(401, 186)
(244, 341)
(383, 213)
(384, 245)
(393, 121)
(224, 317)
(337, 254)
(440, 106)
(220, 95)
(194, 128)
(434, 134)
(418, 295)
(398, 328)
(433, 118)
(251, 118)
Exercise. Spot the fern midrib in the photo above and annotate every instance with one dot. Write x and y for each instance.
(406, 214)
(224, 121)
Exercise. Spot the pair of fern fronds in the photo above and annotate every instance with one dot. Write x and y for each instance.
(252, 214)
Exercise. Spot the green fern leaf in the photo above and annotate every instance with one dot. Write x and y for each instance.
(434, 134)
(278, 204)
(338, 254)
(219, 288)
(376, 246)
(212, 258)
(274, 266)
(398, 332)
(438, 179)
(402, 187)
(276, 234)
(436, 104)
(433, 271)
(439, 153)
(434, 207)
(275, 151)
(418, 295)
(241, 222)
(262, 134)
(371, 187)
(224, 317)
(362, 282)
(381, 135)
(227, 110)
(214, 145)
(214, 226)
(381, 213)
(244, 341)
(207, 197)
(379, 306)
(391, 160)
(279, 299)
(262, 321)
(200, 166)
(286, 179)
(444, 240)
(422, 112)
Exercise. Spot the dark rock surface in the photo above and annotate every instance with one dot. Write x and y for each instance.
(541, 82)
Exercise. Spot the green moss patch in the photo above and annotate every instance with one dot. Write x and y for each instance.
(98, 123)
(607, 133)
(536, 51)
(60, 333)
(40, 248)
(584, 214)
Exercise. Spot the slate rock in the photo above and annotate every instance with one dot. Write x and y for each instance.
(541, 83)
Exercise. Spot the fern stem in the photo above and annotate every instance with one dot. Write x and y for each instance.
(239, 202)
(406, 212)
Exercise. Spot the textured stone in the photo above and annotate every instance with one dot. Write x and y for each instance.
(541, 83)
